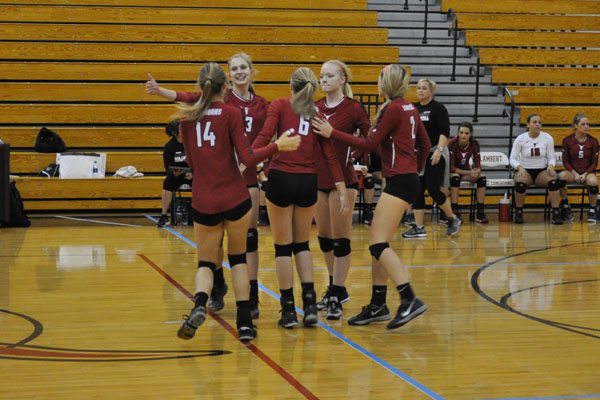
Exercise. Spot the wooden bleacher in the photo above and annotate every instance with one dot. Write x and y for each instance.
(544, 51)
(79, 67)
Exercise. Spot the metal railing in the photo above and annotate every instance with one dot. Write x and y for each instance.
(510, 117)
(369, 101)
(455, 33)
(477, 69)
(426, 18)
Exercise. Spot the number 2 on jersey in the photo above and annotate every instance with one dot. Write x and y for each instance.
(412, 126)
(206, 136)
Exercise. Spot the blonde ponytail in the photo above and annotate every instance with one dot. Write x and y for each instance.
(210, 83)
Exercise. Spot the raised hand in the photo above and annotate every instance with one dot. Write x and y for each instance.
(152, 86)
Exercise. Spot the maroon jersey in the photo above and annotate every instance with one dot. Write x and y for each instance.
(580, 157)
(254, 111)
(280, 118)
(211, 145)
(346, 117)
(397, 132)
(460, 157)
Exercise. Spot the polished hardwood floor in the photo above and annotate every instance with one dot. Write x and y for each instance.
(90, 307)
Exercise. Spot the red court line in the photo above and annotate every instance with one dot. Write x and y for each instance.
(265, 358)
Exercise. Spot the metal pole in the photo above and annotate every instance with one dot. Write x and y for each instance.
(426, 15)
(455, 24)
(476, 89)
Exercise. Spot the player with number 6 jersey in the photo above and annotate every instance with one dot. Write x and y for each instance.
(292, 192)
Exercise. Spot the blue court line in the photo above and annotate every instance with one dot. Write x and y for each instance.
(583, 396)
(335, 333)
(384, 363)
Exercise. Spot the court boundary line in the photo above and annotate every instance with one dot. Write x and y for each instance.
(96, 221)
(337, 334)
(259, 353)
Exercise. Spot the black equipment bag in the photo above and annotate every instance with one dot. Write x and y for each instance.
(18, 217)
(48, 141)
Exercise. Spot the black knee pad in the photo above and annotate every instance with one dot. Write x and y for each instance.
(455, 181)
(341, 247)
(326, 244)
(252, 240)
(378, 248)
(481, 182)
(283, 250)
(561, 184)
(264, 185)
(520, 187)
(593, 189)
(369, 183)
(235, 259)
(206, 264)
(553, 185)
(298, 247)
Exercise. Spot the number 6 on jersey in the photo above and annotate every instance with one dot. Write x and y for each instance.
(207, 136)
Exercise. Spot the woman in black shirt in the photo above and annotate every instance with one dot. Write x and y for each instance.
(435, 118)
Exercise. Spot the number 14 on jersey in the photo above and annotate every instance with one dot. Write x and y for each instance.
(207, 136)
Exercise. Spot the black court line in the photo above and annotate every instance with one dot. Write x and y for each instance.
(503, 303)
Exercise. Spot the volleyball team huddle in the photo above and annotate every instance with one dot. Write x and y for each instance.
(310, 149)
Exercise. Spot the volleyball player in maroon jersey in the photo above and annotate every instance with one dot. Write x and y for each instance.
(346, 115)
(292, 192)
(398, 128)
(214, 140)
(580, 159)
(463, 148)
(254, 109)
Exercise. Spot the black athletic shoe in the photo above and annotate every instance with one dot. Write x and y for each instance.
(519, 217)
(444, 219)
(334, 309)
(216, 301)
(557, 218)
(408, 220)
(371, 313)
(407, 312)
(343, 299)
(246, 331)
(481, 218)
(592, 215)
(368, 215)
(263, 218)
(254, 313)
(322, 305)
(192, 322)
(163, 221)
(566, 213)
(289, 319)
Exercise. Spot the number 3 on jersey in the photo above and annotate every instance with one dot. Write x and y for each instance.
(206, 136)
(249, 124)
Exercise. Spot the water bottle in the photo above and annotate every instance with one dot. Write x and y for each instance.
(95, 170)
(434, 214)
(504, 209)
